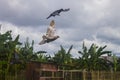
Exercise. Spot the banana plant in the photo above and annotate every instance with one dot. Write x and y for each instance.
(63, 57)
(91, 58)
(7, 49)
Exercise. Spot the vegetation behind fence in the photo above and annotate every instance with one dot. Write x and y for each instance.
(13, 76)
(69, 75)
(81, 75)
(93, 75)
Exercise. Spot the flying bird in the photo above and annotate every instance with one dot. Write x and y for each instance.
(57, 12)
(50, 34)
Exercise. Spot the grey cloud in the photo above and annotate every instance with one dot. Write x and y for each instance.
(32, 12)
(85, 18)
(109, 34)
(109, 39)
(20, 13)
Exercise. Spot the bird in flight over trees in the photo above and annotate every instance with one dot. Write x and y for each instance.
(50, 34)
(57, 12)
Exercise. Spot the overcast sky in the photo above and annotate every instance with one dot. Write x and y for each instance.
(91, 21)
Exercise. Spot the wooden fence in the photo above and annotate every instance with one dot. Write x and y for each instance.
(13, 76)
(78, 75)
(65, 75)
(93, 75)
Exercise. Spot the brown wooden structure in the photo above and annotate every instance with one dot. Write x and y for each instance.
(49, 71)
(43, 71)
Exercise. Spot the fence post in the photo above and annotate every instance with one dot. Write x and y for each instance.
(83, 75)
(71, 74)
(98, 75)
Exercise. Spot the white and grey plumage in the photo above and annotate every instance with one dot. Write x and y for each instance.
(50, 35)
(46, 40)
(57, 12)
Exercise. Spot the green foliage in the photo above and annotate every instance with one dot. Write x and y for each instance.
(63, 57)
(7, 50)
(10, 47)
(42, 57)
(116, 63)
(27, 53)
(90, 58)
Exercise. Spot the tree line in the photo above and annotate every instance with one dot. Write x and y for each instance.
(12, 52)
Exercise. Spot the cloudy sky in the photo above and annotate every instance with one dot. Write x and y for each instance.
(91, 21)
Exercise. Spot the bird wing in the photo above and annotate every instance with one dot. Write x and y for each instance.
(66, 10)
(42, 42)
(48, 16)
(54, 13)
(50, 40)
(57, 12)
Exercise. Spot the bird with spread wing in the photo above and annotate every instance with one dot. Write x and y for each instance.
(50, 34)
(57, 12)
